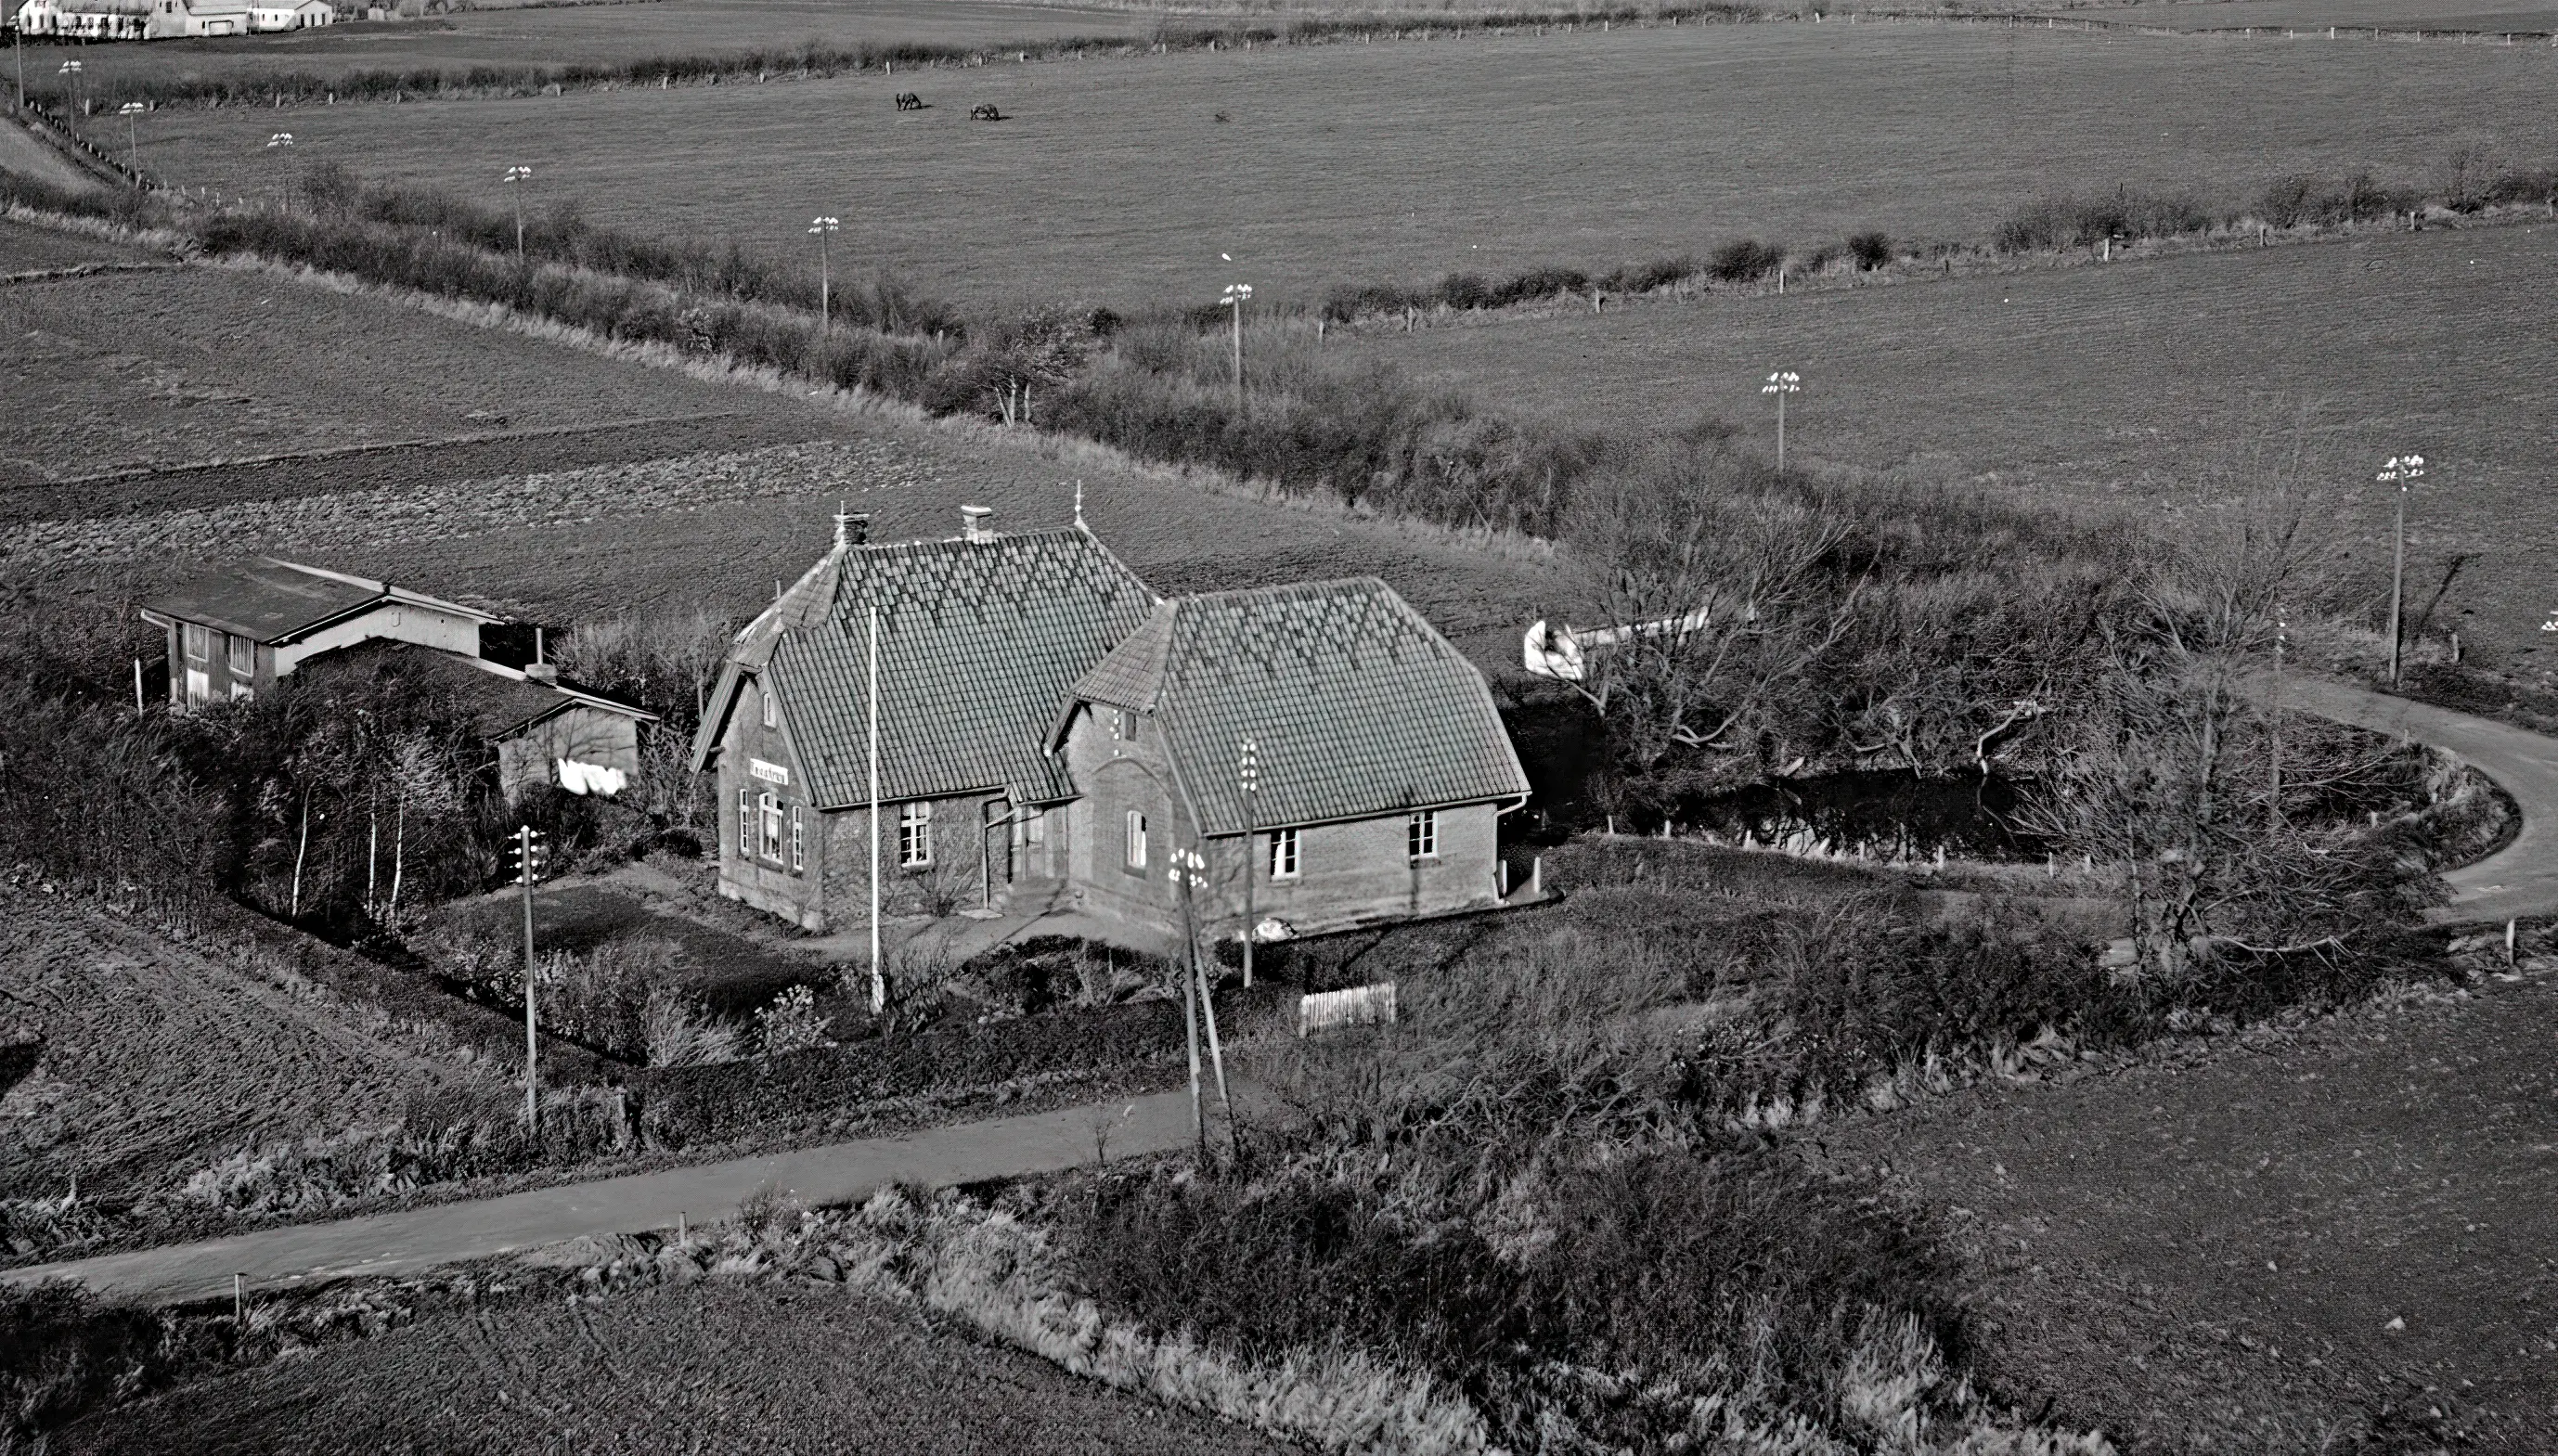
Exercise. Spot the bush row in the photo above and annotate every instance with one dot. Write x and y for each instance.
(682, 1105)
(2301, 200)
(1474, 291)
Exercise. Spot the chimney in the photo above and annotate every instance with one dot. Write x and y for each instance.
(973, 523)
(852, 528)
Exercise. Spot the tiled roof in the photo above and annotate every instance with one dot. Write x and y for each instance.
(1356, 704)
(979, 642)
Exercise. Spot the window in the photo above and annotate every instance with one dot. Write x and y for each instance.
(768, 809)
(242, 692)
(771, 710)
(244, 657)
(1134, 856)
(197, 648)
(200, 688)
(745, 823)
(913, 834)
(798, 841)
(1283, 853)
(1421, 835)
(1123, 724)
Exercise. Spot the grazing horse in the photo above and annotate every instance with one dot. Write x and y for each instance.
(908, 101)
(984, 111)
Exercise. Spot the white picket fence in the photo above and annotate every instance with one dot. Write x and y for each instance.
(1360, 1006)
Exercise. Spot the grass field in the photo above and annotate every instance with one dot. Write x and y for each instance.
(710, 1367)
(158, 1062)
(558, 34)
(25, 249)
(2123, 384)
(2213, 1258)
(1116, 181)
(2491, 20)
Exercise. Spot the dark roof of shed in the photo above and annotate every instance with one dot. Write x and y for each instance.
(265, 599)
(1356, 705)
(978, 643)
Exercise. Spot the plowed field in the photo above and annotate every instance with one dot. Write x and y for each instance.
(2301, 1240)
(701, 1367)
(158, 1062)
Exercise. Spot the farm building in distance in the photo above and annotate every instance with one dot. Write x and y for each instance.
(237, 633)
(160, 20)
(1051, 734)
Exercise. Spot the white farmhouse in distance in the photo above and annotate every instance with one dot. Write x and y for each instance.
(160, 20)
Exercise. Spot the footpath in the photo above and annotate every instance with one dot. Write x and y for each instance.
(2517, 881)
(417, 1239)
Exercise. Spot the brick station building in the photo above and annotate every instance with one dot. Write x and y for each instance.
(1050, 732)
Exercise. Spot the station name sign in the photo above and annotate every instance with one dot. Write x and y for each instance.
(772, 773)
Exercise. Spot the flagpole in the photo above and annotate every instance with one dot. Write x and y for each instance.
(879, 980)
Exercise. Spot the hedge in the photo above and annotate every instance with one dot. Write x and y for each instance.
(680, 1106)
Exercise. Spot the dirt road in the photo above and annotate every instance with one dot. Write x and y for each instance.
(401, 1243)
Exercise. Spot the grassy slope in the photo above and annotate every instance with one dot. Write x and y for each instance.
(705, 1367)
(160, 1062)
(2490, 17)
(1115, 183)
(2220, 1251)
(2121, 383)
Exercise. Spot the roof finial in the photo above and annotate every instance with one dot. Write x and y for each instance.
(843, 524)
(1078, 507)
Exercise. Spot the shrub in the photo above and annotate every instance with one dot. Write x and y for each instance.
(791, 1023)
(2086, 221)
(1644, 277)
(1744, 260)
(679, 1033)
(1871, 250)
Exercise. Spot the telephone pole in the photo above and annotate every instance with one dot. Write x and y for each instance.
(1248, 768)
(2401, 470)
(528, 868)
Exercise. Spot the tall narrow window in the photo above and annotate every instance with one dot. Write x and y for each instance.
(197, 648)
(1283, 853)
(798, 841)
(772, 708)
(1135, 849)
(244, 656)
(746, 824)
(914, 834)
(771, 810)
(199, 687)
(1421, 835)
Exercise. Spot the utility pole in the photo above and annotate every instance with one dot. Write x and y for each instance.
(824, 227)
(2282, 640)
(1236, 296)
(528, 869)
(1186, 865)
(1781, 383)
(132, 138)
(878, 975)
(518, 179)
(1250, 769)
(2401, 470)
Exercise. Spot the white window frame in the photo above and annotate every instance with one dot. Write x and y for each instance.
(915, 835)
(772, 709)
(242, 692)
(243, 655)
(746, 824)
(798, 841)
(195, 640)
(199, 687)
(1285, 849)
(1421, 835)
(768, 808)
(1132, 848)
